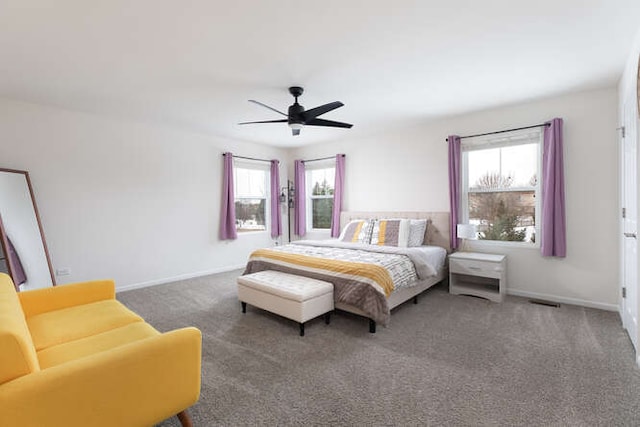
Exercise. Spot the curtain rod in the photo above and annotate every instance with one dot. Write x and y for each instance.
(324, 158)
(503, 131)
(250, 158)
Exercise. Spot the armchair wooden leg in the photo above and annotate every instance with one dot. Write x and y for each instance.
(184, 418)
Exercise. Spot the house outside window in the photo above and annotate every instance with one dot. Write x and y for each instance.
(251, 181)
(501, 186)
(320, 180)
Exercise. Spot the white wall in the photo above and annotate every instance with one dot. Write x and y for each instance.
(406, 170)
(140, 203)
(135, 202)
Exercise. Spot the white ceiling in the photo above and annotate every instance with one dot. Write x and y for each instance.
(195, 63)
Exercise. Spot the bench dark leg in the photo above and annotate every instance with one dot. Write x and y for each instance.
(372, 326)
(244, 306)
(415, 299)
(327, 318)
(301, 329)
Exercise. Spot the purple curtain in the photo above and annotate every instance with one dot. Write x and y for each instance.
(276, 214)
(299, 211)
(553, 241)
(228, 214)
(337, 196)
(454, 187)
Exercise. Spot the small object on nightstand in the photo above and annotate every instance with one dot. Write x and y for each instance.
(478, 274)
(466, 232)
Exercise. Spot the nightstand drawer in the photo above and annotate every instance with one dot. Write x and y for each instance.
(476, 268)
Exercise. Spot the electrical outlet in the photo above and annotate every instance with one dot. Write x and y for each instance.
(63, 272)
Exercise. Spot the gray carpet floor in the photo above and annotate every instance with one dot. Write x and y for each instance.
(449, 360)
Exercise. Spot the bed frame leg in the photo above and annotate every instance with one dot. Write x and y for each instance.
(301, 329)
(415, 299)
(244, 306)
(327, 318)
(372, 326)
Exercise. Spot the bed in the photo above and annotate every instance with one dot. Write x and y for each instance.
(369, 280)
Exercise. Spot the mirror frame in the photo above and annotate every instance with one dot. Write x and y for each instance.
(638, 87)
(3, 239)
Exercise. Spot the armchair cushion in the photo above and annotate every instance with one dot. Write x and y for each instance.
(69, 324)
(62, 353)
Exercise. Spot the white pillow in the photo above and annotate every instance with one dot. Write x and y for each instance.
(417, 228)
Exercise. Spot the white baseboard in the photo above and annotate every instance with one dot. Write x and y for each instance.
(514, 292)
(564, 300)
(176, 278)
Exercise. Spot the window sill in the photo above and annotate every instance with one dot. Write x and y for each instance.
(251, 233)
(501, 243)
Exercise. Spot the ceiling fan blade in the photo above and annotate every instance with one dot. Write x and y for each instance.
(295, 132)
(266, 106)
(315, 112)
(265, 121)
(330, 123)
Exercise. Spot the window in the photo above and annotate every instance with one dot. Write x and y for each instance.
(320, 180)
(251, 182)
(500, 186)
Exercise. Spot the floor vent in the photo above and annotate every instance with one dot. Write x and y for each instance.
(543, 302)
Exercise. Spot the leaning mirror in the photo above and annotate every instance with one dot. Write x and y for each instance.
(23, 250)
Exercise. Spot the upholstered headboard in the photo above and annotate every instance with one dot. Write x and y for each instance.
(437, 224)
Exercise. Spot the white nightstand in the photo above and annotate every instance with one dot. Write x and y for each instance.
(481, 275)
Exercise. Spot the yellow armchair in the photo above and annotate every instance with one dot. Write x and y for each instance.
(72, 355)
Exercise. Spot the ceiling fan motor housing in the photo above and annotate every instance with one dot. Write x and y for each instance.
(295, 114)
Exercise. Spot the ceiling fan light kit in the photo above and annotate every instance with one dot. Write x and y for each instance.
(298, 117)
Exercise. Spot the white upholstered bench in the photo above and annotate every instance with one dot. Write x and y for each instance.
(294, 297)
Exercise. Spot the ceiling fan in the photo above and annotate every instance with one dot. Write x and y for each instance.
(298, 117)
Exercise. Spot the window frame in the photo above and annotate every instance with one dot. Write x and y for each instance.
(508, 139)
(253, 165)
(319, 165)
